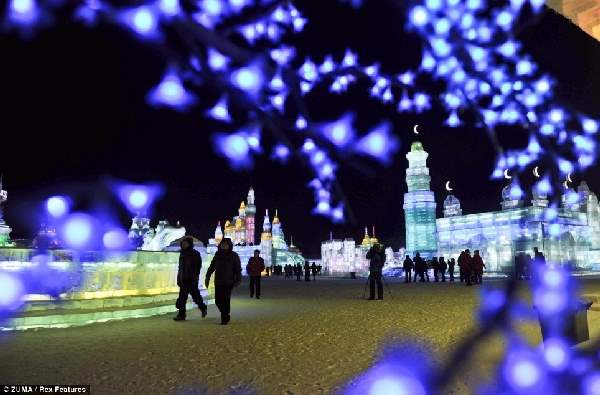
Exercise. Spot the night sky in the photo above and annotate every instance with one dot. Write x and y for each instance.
(74, 118)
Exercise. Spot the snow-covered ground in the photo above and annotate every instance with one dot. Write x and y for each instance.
(300, 338)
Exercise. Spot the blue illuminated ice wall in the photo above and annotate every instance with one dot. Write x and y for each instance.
(419, 204)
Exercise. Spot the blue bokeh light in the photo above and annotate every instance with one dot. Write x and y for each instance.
(220, 111)
(339, 132)
(235, 147)
(171, 93)
(116, 239)
(556, 353)
(138, 198)
(249, 79)
(419, 16)
(523, 371)
(24, 12)
(57, 206)
(12, 291)
(78, 231)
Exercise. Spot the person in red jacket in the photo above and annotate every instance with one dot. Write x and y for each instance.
(254, 268)
(478, 266)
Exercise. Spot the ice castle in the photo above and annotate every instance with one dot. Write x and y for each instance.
(574, 236)
(241, 230)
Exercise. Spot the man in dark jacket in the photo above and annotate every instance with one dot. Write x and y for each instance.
(254, 268)
(407, 266)
(451, 265)
(228, 274)
(306, 271)
(468, 267)
(477, 267)
(313, 269)
(298, 272)
(443, 267)
(420, 267)
(188, 275)
(435, 265)
(376, 257)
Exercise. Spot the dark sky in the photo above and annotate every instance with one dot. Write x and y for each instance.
(74, 116)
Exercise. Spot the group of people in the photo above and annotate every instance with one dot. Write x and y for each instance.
(289, 270)
(470, 268)
(524, 263)
(227, 268)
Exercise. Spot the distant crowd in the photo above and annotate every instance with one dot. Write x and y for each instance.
(297, 270)
(470, 268)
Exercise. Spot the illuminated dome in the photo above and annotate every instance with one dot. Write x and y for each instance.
(276, 218)
(506, 192)
(450, 201)
(583, 188)
(366, 240)
(452, 206)
(416, 146)
(374, 239)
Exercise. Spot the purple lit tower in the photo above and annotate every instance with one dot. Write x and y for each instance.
(249, 219)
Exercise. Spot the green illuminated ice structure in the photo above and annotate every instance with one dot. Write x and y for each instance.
(4, 228)
(419, 205)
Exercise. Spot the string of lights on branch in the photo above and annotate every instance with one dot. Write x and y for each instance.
(241, 47)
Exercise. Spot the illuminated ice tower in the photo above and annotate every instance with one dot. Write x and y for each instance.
(250, 214)
(277, 234)
(4, 229)
(266, 241)
(419, 204)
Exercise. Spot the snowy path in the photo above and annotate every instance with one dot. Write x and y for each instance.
(301, 338)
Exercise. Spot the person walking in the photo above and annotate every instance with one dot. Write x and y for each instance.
(228, 274)
(443, 267)
(299, 272)
(436, 268)
(254, 268)
(478, 267)
(468, 266)
(313, 269)
(420, 267)
(306, 271)
(188, 275)
(407, 266)
(451, 269)
(376, 257)
(461, 266)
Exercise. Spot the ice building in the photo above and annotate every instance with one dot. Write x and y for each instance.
(419, 204)
(4, 228)
(241, 230)
(518, 226)
(342, 257)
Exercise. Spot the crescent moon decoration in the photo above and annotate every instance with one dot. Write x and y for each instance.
(569, 177)
(536, 172)
(415, 129)
(448, 186)
(566, 184)
(506, 175)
